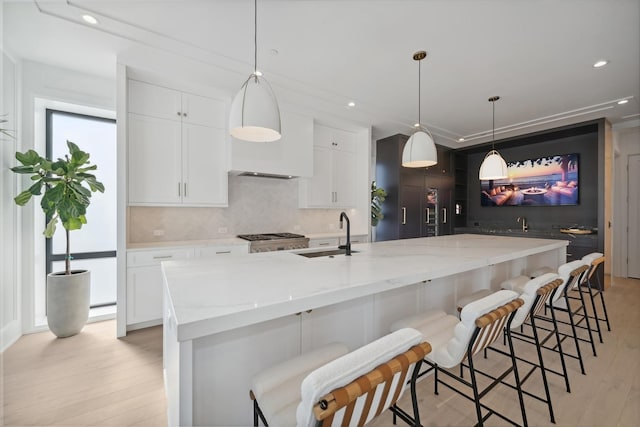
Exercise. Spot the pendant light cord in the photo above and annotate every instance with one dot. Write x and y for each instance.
(493, 127)
(419, 92)
(255, 36)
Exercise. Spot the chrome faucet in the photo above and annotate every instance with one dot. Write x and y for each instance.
(525, 226)
(346, 247)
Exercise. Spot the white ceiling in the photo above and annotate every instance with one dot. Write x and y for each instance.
(537, 55)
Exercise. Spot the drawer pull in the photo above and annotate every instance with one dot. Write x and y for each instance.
(323, 244)
(163, 256)
(223, 252)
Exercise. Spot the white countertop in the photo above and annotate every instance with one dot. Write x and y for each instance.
(230, 241)
(212, 295)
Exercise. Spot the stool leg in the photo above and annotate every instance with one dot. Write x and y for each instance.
(517, 378)
(604, 307)
(559, 341)
(586, 319)
(593, 307)
(575, 334)
(474, 387)
(536, 341)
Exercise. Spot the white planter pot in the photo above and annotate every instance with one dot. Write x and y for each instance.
(68, 302)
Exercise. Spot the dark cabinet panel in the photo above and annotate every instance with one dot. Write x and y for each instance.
(407, 210)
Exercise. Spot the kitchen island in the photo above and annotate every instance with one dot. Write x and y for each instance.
(225, 319)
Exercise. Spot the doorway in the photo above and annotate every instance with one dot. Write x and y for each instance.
(94, 246)
(633, 234)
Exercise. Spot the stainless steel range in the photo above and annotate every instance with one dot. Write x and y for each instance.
(275, 242)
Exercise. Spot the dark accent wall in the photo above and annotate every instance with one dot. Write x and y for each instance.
(586, 139)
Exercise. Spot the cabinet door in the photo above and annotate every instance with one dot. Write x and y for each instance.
(343, 178)
(348, 322)
(410, 215)
(154, 161)
(204, 161)
(144, 294)
(204, 111)
(321, 136)
(320, 185)
(154, 101)
(343, 140)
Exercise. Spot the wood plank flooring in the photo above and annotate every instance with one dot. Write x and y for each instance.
(94, 379)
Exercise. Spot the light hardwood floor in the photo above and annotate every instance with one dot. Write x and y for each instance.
(93, 379)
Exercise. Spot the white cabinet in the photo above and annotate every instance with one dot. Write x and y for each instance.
(177, 148)
(144, 278)
(334, 170)
(291, 155)
(348, 322)
(209, 251)
(323, 242)
(144, 283)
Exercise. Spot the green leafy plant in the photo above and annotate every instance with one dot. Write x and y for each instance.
(3, 131)
(377, 197)
(67, 187)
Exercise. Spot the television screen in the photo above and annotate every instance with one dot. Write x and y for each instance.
(547, 181)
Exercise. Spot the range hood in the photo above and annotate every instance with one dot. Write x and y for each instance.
(289, 157)
(266, 175)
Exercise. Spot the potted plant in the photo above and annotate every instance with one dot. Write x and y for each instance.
(66, 187)
(377, 197)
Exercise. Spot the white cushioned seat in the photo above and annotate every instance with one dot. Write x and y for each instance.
(564, 271)
(588, 259)
(515, 283)
(528, 295)
(277, 388)
(286, 393)
(540, 271)
(448, 335)
(347, 368)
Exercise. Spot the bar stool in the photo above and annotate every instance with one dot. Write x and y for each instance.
(595, 260)
(330, 387)
(571, 274)
(456, 340)
(535, 293)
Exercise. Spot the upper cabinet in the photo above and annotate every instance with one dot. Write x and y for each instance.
(177, 147)
(291, 155)
(334, 170)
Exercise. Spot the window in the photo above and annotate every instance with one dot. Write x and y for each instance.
(94, 246)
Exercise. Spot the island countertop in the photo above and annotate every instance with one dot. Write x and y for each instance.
(208, 296)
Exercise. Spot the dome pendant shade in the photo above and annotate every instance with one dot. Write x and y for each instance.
(493, 166)
(419, 151)
(255, 115)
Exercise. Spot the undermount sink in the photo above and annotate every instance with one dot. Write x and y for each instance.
(323, 252)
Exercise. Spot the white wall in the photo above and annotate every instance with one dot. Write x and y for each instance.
(626, 141)
(42, 86)
(10, 297)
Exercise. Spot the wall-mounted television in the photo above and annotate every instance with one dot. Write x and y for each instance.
(546, 181)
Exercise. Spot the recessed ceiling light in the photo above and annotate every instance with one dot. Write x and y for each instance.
(600, 63)
(90, 19)
(623, 101)
(351, 104)
(460, 139)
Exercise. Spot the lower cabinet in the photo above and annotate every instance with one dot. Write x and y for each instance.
(144, 279)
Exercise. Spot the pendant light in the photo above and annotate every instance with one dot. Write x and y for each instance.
(420, 150)
(255, 115)
(493, 166)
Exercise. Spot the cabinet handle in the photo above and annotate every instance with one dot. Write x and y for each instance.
(444, 215)
(222, 252)
(336, 197)
(323, 244)
(185, 189)
(404, 215)
(162, 256)
(179, 113)
(184, 114)
(426, 212)
(179, 194)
